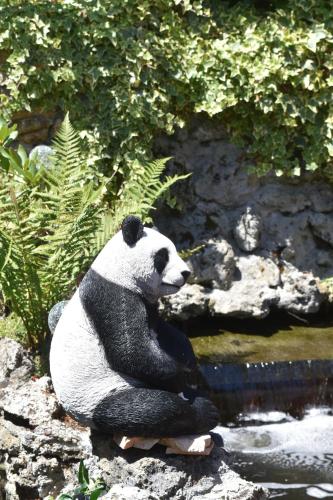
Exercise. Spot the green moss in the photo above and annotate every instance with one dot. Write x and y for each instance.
(290, 343)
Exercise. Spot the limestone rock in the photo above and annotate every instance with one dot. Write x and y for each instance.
(253, 293)
(121, 492)
(178, 477)
(247, 231)
(15, 363)
(213, 265)
(259, 283)
(191, 301)
(32, 403)
(299, 291)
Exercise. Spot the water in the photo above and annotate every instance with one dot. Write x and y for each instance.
(277, 338)
(292, 458)
(273, 383)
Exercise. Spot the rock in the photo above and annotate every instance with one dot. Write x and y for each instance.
(121, 492)
(322, 227)
(40, 450)
(254, 292)
(31, 403)
(177, 477)
(15, 362)
(259, 283)
(299, 292)
(42, 156)
(267, 219)
(247, 231)
(35, 127)
(284, 198)
(214, 265)
(191, 301)
(54, 314)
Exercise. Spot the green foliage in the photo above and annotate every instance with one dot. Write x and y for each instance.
(87, 489)
(130, 68)
(55, 219)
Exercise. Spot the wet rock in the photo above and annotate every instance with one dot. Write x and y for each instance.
(247, 231)
(40, 450)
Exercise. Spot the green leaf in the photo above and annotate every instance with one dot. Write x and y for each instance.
(97, 493)
(83, 474)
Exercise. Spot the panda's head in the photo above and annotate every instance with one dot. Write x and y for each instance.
(143, 260)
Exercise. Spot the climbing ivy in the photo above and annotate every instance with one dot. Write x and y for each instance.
(128, 69)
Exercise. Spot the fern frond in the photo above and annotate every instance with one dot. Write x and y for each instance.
(54, 220)
(138, 195)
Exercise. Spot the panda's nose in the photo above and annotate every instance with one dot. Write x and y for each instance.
(185, 275)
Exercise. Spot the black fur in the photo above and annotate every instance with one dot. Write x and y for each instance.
(136, 341)
(132, 229)
(161, 259)
(154, 413)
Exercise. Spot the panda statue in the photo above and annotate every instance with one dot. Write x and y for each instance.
(115, 365)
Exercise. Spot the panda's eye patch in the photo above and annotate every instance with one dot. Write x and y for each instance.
(161, 259)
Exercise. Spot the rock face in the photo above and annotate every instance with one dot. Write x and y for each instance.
(267, 240)
(40, 449)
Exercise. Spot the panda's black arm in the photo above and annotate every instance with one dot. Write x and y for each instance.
(175, 343)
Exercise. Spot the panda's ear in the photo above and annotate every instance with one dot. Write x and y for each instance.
(132, 229)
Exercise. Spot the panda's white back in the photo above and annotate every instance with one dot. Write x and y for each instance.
(80, 372)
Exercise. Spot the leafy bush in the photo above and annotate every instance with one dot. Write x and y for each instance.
(54, 219)
(129, 68)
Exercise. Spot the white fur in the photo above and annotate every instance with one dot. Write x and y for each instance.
(80, 372)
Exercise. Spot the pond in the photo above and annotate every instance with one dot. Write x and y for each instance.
(273, 383)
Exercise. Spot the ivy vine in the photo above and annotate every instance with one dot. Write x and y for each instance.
(128, 69)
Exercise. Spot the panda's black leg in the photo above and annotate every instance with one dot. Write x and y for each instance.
(154, 413)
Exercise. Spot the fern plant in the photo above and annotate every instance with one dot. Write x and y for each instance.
(54, 220)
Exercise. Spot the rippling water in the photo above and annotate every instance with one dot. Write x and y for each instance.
(293, 458)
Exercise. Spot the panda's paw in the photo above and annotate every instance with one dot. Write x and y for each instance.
(207, 416)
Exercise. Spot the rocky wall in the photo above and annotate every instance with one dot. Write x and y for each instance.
(266, 241)
(36, 127)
